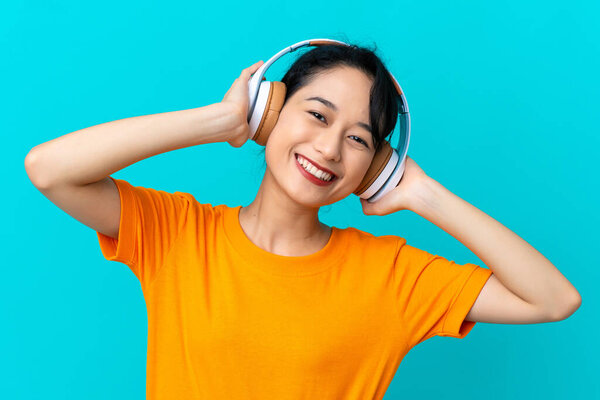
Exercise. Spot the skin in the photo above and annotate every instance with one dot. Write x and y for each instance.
(283, 217)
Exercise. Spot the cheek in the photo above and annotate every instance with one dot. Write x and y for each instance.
(277, 154)
(269, 156)
(283, 140)
(291, 128)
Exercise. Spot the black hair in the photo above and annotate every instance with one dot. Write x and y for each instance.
(384, 101)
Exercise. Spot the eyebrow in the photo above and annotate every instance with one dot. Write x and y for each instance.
(329, 104)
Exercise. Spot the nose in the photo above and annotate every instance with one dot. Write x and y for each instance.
(328, 143)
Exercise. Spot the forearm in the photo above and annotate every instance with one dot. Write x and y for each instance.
(519, 266)
(91, 154)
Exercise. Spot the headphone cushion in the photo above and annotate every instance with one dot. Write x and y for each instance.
(273, 106)
(378, 164)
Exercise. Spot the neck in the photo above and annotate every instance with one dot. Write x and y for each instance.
(279, 225)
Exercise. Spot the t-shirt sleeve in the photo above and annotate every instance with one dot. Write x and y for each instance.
(149, 224)
(435, 294)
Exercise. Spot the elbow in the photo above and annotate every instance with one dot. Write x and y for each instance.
(576, 303)
(29, 161)
(572, 305)
(32, 169)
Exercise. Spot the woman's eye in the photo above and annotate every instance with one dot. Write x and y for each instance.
(360, 140)
(317, 115)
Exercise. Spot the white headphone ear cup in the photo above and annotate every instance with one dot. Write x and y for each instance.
(259, 108)
(392, 182)
(382, 177)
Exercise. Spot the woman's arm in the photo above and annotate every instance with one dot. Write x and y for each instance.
(73, 171)
(525, 287)
(517, 265)
(91, 154)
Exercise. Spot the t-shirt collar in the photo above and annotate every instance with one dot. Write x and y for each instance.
(332, 254)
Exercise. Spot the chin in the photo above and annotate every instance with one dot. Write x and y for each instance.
(306, 199)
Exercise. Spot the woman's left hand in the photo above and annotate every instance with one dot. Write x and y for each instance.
(402, 197)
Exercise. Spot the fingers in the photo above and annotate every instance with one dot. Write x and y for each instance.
(246, 72)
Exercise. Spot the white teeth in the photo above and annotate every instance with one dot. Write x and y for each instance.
(324, 176)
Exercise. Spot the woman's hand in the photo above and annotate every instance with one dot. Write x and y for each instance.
(237, 95)
(403, 197)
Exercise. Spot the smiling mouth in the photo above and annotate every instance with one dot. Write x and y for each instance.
(313, 170)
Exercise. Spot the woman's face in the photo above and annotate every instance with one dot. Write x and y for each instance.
(334, 136)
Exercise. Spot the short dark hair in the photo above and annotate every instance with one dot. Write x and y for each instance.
(384, 100)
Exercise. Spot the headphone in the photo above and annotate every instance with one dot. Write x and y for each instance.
(266, 101)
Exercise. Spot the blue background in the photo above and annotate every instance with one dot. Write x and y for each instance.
(504, 104)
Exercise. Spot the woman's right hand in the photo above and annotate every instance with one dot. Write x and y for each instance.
(237, 95)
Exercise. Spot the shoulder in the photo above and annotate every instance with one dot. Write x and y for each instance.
(367, 241)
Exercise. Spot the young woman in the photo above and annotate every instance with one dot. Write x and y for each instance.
(265, 301)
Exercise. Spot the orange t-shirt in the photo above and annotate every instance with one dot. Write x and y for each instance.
(229, 320)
